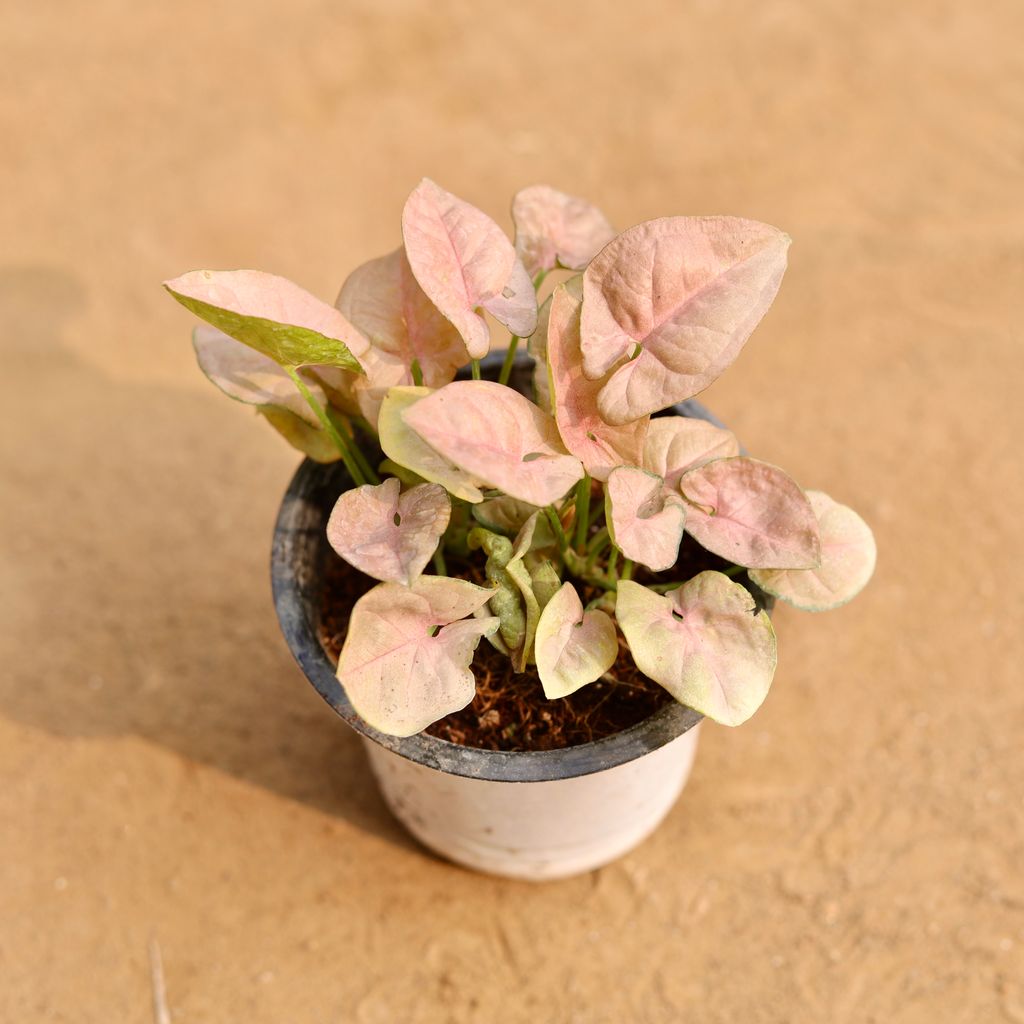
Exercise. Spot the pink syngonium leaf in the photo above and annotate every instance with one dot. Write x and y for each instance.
(248, 376)
(681, 293)
(677, 443)
(271, 315)
(406, 448)
(463, 261)
(751, 513)
(383, 299)
(705, 642)
(572, 647)
(598, 445)
(645, 519)
(399, 670)
(388, 535)
(557, 230)
(847, 561)
(495, 434)
(537, 346)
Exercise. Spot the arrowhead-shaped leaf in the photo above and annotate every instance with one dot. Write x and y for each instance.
(644, 518)
(572, 648)
(383, 299)
(677, 443)
(398, 672)
(462, 261)
(598, 445)
(271, 315)
(248, 376)
(555, 229)
(405, 446)
(847, 561)
(497, 435)
(751, 513)
(706, 643)
(388, 535)
(688, 291)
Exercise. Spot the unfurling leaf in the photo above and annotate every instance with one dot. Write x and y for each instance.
(495, 434)
(645, 519)
(706, 643)
(847, 561)
(686, 292)
(751, 513)
(598, 445)
(572, 648)
(388, 535)
(555, 229)
(383, 299)
(406, 447)
(463, 261)
(271, 315)
(677, 443)
(401, 675)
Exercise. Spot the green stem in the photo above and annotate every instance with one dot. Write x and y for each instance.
(475, 365)
(733, 570)
(556, 528)
(417, 373)
(332, 431)
(357, 452)
(627, 569)
(510, 358)
(582, 513)
(439, 564)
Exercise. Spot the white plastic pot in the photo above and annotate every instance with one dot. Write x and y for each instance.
(535, 830)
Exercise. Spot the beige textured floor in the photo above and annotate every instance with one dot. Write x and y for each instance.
(855, 854)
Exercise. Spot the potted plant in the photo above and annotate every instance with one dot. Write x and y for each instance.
(525, 579)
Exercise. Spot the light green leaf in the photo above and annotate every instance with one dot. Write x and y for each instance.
(706, 643)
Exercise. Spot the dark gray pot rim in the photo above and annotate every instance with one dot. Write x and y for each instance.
(298, 554)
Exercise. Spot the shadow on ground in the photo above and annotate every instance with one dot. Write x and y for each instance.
(157, 619)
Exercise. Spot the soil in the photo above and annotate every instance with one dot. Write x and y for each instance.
(510, 711)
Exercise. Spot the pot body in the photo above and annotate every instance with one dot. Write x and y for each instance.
(535, 830)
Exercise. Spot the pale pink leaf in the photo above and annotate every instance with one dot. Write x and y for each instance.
(572, 647)
(463, 261)
(556, 229)
(705, 642)
(847, 561)
(495, 434)
(271, 315)
(388, 535)
(383, 299)
(248, 376)
(537, 346)
(675, 444)
(406, 448)
(597, 444)
(751, 513)
(645, 519)
(400, 672)
(515, 305)
(683, 292)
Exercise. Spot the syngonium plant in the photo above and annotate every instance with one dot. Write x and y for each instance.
(565, 494)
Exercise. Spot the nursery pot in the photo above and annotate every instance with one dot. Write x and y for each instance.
(532, 814)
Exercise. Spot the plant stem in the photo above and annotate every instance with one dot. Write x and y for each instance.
(556, 527)
(417, 373)
(332, 431)
(733, 570)
(627, 569)
(475, 366)
(510, 358)
(582, 513)
(357, 452)
(439, 564)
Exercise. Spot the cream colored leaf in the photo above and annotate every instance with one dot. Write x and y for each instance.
(572, 648)
(847, 561)
(675, 444)
(706, 643)
(645, 519)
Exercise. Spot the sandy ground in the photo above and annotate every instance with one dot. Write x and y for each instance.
(854, 854)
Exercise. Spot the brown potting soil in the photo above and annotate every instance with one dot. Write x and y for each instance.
(510, 711)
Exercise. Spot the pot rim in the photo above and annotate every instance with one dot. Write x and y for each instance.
(296, 558)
